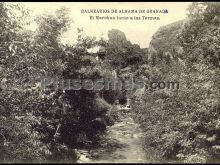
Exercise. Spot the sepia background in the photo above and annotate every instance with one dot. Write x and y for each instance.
(138, 32)
(172, 118)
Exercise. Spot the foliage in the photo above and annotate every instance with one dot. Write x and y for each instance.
(182, 125)
(122, 53)
(48, 125)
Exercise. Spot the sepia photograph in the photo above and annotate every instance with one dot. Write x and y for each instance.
(109, 82)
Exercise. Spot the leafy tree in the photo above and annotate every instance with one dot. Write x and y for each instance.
(121, 52)
(181, 125)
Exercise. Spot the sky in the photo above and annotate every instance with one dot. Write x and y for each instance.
(137, 31)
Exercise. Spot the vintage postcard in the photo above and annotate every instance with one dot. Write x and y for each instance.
(109, 82)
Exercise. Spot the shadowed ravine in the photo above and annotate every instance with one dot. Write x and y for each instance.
(123, 143)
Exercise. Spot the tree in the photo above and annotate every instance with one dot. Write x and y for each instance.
(121, 52)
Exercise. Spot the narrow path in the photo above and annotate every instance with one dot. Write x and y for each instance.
(122, 144)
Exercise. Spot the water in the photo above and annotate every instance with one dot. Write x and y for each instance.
(122, 143)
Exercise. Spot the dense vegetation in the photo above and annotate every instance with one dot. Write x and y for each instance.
(183, 125)
(45, 125)
(40, 125)
(49, 124)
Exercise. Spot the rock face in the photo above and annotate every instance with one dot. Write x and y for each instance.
(165, 38)
(117, 35)
(164, 42)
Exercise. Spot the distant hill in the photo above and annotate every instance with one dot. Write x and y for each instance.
(164, 40)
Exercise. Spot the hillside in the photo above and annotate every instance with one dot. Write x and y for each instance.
(183, 125)
(165, 38)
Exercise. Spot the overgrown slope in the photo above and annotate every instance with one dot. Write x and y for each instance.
(183, 125)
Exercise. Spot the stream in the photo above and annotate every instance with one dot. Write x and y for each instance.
(123, 143)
